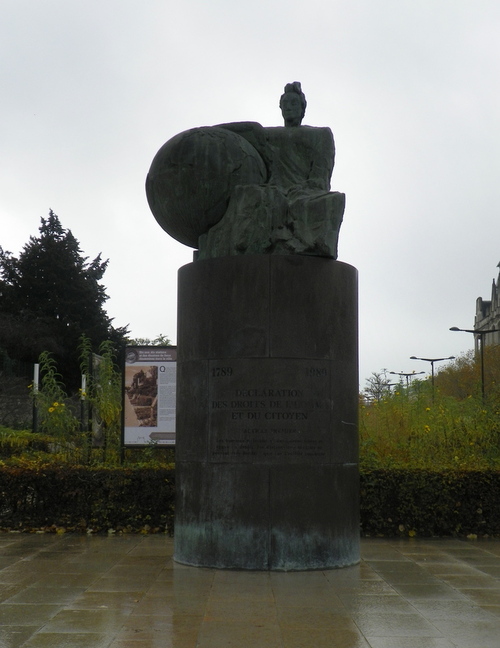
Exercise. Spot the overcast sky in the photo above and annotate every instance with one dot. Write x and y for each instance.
(90, 90)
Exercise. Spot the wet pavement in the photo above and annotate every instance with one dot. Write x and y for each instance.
(76, 591)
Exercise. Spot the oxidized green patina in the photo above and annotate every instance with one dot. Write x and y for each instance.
(241, 188)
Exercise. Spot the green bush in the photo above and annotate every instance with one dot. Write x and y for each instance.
(394, 503)
(83, 499)
(408, 428)
(55, 417)
(18, 442)
(401, 502)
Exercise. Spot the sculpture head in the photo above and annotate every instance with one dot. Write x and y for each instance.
(293, 104)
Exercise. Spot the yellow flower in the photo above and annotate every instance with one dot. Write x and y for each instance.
(56, 404)
(51, 409)
(427, 409)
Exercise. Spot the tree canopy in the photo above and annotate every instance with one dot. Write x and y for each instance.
(159, 340)
(50, 295)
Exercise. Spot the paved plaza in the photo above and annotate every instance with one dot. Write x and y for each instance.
(76, 591)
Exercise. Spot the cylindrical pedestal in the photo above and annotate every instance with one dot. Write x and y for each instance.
(267, 397)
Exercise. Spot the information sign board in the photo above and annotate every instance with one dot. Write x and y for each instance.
(149, 388)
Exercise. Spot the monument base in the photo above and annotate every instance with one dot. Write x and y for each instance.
(267, 397)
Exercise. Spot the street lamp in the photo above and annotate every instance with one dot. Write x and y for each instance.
(432, 361)
(407, 375)
(480, 335)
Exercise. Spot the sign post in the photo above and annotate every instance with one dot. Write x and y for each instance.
(36, 379)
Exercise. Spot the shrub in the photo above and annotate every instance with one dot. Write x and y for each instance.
(17, 442)
(401, 502)
(92, 500)
(414, 428)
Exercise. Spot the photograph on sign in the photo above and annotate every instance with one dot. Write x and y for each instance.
(149, 388)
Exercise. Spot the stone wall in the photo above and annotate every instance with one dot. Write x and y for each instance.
(16, 405)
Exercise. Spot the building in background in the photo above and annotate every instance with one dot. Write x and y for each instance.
(488, 315)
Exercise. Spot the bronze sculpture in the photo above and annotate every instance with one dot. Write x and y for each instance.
(241, 188)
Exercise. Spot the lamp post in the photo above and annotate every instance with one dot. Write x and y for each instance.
(432, 361)
(480, 336)
(407, 375)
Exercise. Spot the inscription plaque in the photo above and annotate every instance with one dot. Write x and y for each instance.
(270, 410)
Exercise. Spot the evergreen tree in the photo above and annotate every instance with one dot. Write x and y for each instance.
(51, 295)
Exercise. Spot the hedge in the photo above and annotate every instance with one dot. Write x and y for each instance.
(427, 503)
(65, 498)
(393, 502)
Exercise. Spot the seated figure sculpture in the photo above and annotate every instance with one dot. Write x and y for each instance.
(274, 186)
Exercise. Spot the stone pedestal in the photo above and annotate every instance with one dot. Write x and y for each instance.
(267, 396)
